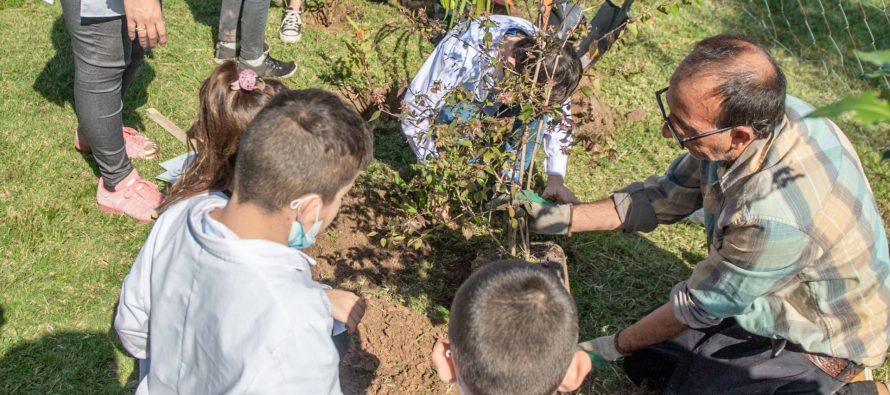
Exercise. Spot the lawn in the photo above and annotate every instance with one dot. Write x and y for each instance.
(62, 261)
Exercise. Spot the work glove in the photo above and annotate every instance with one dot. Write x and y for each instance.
(603, 347)
(544, 217)
(556, 189)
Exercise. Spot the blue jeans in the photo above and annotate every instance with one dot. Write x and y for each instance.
(463, 111)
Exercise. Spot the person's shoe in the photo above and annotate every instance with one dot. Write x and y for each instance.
(133, 197)
(271, 68)
(291, 27)
(137, 145)
(225, 53)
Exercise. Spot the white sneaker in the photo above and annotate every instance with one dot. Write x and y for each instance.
(291, 27)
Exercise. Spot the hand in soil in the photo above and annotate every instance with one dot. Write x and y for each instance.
(346, 307)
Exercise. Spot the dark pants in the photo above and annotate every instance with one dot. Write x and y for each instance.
(252, 15)
(725, 360)
(105, 61)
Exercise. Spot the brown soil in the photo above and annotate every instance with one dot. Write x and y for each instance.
(594, 120)
(390, 353)
(390, 350)
(330, 14)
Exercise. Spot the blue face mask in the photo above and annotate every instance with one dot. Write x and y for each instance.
(299, 238)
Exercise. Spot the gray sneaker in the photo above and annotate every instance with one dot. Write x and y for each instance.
(271, 68)
(291, 27)
(225, 53)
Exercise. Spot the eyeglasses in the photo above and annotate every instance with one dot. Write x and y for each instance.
(682, 140)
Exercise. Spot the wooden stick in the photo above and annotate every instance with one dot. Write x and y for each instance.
(167, 124)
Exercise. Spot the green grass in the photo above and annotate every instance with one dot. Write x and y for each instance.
(62, 261)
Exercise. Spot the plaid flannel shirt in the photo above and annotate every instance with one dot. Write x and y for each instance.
(796, 246)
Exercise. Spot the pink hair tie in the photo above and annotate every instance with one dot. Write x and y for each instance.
(246, 80)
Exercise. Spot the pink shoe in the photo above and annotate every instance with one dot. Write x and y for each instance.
(137, 145)
(133, 196)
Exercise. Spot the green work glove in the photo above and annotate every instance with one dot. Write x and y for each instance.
(545, 218)
(602, 347)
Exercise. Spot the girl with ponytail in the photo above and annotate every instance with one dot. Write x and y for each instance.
(230, 98)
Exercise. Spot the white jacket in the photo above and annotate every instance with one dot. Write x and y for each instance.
(222, 315)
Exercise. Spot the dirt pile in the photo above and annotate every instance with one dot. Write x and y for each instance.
(390, 353)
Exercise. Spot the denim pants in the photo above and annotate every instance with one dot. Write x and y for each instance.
(105, 61)
(463, 111)
(252, 15)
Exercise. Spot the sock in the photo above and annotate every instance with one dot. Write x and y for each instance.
(255, 62)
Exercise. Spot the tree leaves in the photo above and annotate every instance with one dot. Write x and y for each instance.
(868, 108)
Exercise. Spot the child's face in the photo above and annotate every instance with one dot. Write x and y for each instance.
(326, 213)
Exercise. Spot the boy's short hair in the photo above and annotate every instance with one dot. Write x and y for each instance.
(513, 330)
(560, 63)
(303, 141)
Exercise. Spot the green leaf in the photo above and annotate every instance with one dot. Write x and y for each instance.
(886, 155)
(868, 107)
(587, 91)
(675, 9)
(879, 58)
(383, 242)
(374, 116)
(372, 233)
(465, 143)
(632, 30)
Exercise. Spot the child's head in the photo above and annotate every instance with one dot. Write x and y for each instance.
(229, 99)
(300, 155)
(513, 329)
(559, 63)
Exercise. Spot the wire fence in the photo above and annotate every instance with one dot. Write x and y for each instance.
(826, 33)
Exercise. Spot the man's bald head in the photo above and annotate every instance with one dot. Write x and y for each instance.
(746, 79)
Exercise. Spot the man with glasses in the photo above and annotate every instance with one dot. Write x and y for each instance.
(794, 294)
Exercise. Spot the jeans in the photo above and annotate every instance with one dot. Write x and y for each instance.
(252, 15)
(463, 111)
(105, 61)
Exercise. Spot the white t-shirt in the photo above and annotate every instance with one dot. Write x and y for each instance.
(219, 314)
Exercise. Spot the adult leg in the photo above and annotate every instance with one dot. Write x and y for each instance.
(229, 13)
(732, 361)
(102, 58)
(254, 15)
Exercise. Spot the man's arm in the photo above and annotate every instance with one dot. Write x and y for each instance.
(656, 327)
(600, 215)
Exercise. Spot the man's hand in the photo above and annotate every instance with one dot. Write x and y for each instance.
(545, 218)
(346, 307)
(556, 189)
(145, 20)
(604, 347)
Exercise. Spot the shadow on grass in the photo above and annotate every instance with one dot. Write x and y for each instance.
(76, 362)
(56, 84)
(207, 13)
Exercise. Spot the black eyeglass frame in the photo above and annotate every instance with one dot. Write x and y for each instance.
(682, 140)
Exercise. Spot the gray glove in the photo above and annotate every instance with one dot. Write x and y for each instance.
(603, 346)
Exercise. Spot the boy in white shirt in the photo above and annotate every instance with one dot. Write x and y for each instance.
(220, 299)
(465, 59)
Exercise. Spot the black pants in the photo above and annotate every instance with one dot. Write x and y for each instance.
(725, 359)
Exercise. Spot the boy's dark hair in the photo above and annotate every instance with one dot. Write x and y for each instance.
(303, 141)
(752, 95)
(513, 330)
(559, 63)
